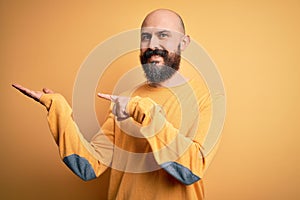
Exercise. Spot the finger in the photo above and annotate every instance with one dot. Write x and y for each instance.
(122, 115)
(32, 94)
(17, 86)
(146, 120)
(22, 89)
(135, 115)
(47, 91)
(114, 110)
(119, 110)
(109, 97)
(141, 118)
(104, 96)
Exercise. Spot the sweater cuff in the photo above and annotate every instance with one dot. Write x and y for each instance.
(131, 105)
(141, 109)
(49, 99)
(46, 100)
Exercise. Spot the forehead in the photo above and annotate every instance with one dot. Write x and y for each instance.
(162, 21)
(158, 31)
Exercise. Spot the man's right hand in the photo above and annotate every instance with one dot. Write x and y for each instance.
(120, 103)
(36, 95)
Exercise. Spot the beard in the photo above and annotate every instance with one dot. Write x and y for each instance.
(159, 73)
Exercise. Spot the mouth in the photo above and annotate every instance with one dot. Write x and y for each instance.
(156, 60)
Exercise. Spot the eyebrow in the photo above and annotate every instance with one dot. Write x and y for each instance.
(163, 31)
(156, 32)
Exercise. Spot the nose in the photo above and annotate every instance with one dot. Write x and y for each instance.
(154, 43)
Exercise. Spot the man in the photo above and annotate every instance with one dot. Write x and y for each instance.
(152, 139)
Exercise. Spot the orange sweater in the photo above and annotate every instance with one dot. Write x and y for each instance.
(159, 158)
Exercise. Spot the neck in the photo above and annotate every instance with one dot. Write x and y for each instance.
(175, 80)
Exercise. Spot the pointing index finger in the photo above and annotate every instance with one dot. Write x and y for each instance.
(107, 97)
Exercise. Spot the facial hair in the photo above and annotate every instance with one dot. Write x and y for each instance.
(160, 73)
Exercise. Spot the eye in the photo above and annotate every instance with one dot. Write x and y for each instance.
(163, 35)
(145, 36)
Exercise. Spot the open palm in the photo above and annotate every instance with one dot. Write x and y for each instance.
(36, 95)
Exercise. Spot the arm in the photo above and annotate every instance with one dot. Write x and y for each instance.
(86, 160)
(176, 151)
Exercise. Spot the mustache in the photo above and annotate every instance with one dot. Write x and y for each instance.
(156, 52)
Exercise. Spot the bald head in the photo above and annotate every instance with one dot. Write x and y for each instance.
(165, 19)
(163, 39)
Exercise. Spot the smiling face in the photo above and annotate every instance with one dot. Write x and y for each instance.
(162, 40)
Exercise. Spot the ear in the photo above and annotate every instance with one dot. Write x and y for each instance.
(185, 41)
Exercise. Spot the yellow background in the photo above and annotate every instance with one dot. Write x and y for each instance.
(255, 45)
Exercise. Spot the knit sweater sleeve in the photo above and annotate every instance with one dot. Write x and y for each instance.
(86, 160)
(176, 152)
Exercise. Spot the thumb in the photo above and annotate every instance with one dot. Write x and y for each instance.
(47, 91)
